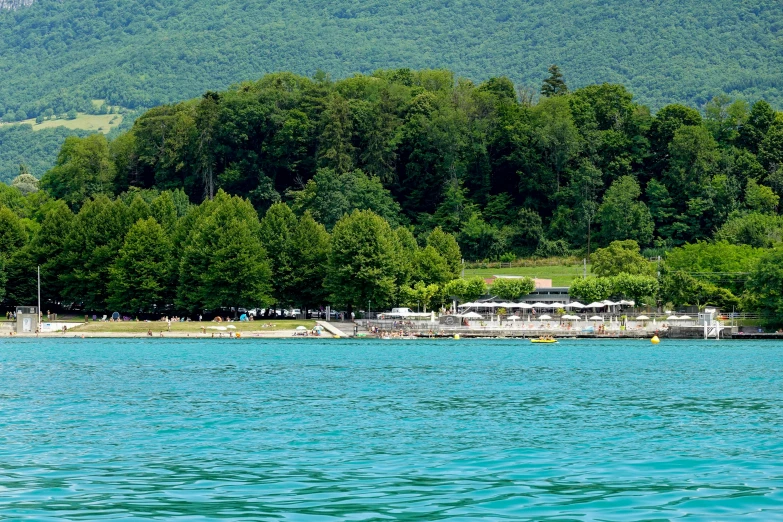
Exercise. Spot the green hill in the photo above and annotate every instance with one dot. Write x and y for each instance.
(59, 54)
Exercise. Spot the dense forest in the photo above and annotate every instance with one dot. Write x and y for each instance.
(370, 167)
(60, 54)
(35, 150)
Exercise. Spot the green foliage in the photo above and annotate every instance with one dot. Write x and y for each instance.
(309, 247)
(591, 289)
(480, 240)
(467, 289)
(48, 248)
(620, 257)
(430, 267)
(719, 263)
(512, 288)
(420, 294)
(38, 149)
(681, 289)
(622, 216)
(554, 85)
(329, 196)
(639, 288)
(12, 232)
(84, 169)
(765, 285)
(759, 198)
(446, 245)
(139, 278)
(95, 237)
(275, 233)
(223, 260)
(729, 44)
(363, 261)
(753, 229)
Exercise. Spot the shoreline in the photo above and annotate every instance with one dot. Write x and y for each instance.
(273, 334)
(289, 334)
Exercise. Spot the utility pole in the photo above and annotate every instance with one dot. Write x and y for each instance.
(463, 269)
(584, 270)
(39, 296)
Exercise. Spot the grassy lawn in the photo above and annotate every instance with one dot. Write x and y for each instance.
(561, 275)
(191, 327)
(90, 122)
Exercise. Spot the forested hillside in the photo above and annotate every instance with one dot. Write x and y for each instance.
(59, 54)
(374, 187)
(425, 149)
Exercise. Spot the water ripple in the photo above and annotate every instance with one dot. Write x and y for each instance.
(344, 430)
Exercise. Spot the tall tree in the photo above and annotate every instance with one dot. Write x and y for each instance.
(622, 215)
(207, 114)
(49, 248)
(275, 232)
(430, 267)
(760, 119)
(308, 247)
(362, 261)
(13, 236)
(223, 262)
(84, 169)
(330, 195)
(139, 278)
(335, 150)
(446, 245)
(554, 84)
(765, 285)
(620, 257)
(95, 238)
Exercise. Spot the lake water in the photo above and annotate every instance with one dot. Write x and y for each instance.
(319, 430)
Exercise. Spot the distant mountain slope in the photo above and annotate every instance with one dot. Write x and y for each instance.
(60, 53)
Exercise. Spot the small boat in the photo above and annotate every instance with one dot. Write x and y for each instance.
(544, 340)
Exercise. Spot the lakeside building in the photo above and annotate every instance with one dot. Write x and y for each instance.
(552, 294)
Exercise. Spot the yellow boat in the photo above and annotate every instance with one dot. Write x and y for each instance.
(543, 340)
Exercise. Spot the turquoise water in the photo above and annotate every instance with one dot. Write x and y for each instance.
(322, 430)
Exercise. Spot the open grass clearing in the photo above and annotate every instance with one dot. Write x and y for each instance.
(561, 275)
(89, 122)
(142, 327)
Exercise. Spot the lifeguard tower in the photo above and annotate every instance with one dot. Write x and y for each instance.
(712, 327)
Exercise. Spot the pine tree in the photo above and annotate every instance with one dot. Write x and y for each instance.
(554, 85)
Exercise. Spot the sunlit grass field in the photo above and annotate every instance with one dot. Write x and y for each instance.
(561, 275)
(141, 327)
(89, 122)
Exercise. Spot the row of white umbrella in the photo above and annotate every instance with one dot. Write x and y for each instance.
(528, 306)
(474, 315)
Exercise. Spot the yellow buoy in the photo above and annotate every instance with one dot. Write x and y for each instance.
(655, 339)
(456, 337)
